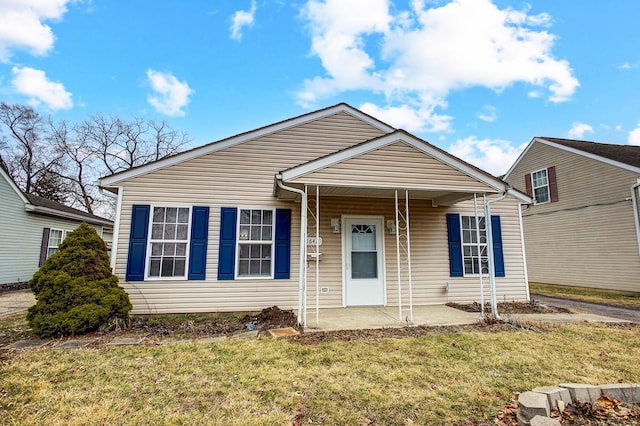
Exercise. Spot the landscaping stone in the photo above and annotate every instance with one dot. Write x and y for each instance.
(125, 341)
(74, 344)
(554, 394)
(582, 393)
(283, 332)
(544, 421)
(532, 404)
(27, 344)
(626, 392)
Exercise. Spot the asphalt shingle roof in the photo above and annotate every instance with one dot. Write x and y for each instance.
(44, 202)
(627, 154)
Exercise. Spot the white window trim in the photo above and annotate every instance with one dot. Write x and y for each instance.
(463, 244)
(64, 232)
(238, 242)
(147, 268)
(533, 187)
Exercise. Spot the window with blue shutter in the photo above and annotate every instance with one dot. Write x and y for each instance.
(455, 245)
(227, 246)
(283, 244)
(198, 243)
(137, 254)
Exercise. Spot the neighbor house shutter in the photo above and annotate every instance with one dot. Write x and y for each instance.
(227, 246)
(137, 255)
(44, 248)
(528, 185)
(553, 186)
(198, 243)
(455, 245)
(498, 253)
(282, 268)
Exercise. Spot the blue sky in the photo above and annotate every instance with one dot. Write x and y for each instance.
(474, 77)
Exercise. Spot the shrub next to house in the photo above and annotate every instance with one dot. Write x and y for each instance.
(75, 289)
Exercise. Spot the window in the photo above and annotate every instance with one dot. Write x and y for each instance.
(255, 243)
(540, 182)
(470, 245)
(168, 242)
(56, 237)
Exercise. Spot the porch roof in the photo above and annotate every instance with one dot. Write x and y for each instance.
(378, 167)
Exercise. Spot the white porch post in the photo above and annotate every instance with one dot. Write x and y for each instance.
(479, 248)
(406, 249)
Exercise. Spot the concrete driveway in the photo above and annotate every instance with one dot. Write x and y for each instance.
(12, 302)
(578, 306)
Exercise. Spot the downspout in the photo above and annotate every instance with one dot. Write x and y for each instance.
(116, 224)
(303, 247)
(634, 203)
(492, 271)
(524, 254)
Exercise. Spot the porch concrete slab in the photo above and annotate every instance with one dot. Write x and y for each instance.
(13, 302)
(356, 318)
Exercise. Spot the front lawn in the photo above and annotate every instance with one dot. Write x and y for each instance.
(611, 297)
(439, 378)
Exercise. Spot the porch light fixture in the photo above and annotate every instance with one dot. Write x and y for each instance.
(391, 226)
(335, 226)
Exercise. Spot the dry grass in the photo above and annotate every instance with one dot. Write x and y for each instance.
(611, 297)
(448, 378)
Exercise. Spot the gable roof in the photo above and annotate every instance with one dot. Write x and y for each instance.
(421, 145)
(112, 180)
(36, 204)
(623, 156)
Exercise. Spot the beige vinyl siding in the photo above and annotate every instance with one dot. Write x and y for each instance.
(21, 236)
(429, 253)
(238, 176)
(397, 165)
(588, 237)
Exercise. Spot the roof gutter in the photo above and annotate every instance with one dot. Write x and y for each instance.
(303, 247)
(65, 215)
(634, 204)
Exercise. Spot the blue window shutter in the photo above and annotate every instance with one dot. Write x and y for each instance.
(498, 253)
(198, 243)
(227, 248)
(283, 244)
(455, 245)
(137, 255)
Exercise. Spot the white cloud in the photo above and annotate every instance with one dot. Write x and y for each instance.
(412, 119)
(424, 54)
(34, 84)
(578, 130)
(171, 95)
(22, 25)
(488, 114)
(634, 136)
(242, 19)
(629, 66)
(492, 155)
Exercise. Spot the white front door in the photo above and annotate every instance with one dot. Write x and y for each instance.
(363, 261)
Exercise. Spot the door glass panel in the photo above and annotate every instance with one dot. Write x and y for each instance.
(364, 264)
(363, 237)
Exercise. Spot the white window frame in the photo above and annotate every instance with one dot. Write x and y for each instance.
(256, 242)
(534, 187)
(63, 233)
(150, 241)
(475, 245)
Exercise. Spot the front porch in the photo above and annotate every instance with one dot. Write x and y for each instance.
(357, 318)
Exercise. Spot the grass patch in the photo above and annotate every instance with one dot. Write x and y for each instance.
(441, 378)
(611, 297)
(14, 327)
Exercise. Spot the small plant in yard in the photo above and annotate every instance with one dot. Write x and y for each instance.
(75, 289)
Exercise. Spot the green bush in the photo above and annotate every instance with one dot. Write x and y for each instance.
(75, 290)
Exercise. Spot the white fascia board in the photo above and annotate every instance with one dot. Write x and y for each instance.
(363, 148)
(520, 196)
(66, 215)
(112, 180)
(589, 155)
(13, 185)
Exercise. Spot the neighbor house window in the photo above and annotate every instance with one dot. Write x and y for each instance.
(168, 242)
(255, 243)
(540, 182)
(56, 237)
(470, 245)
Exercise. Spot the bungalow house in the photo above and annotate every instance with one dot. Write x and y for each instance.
(582, 229)
(329, 209)
(33, 227)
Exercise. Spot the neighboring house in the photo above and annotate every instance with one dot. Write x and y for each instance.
(32, 228)
(302, 214)
(583, 229)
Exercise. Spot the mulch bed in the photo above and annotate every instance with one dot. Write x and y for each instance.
(4, 288)
(511, 308)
